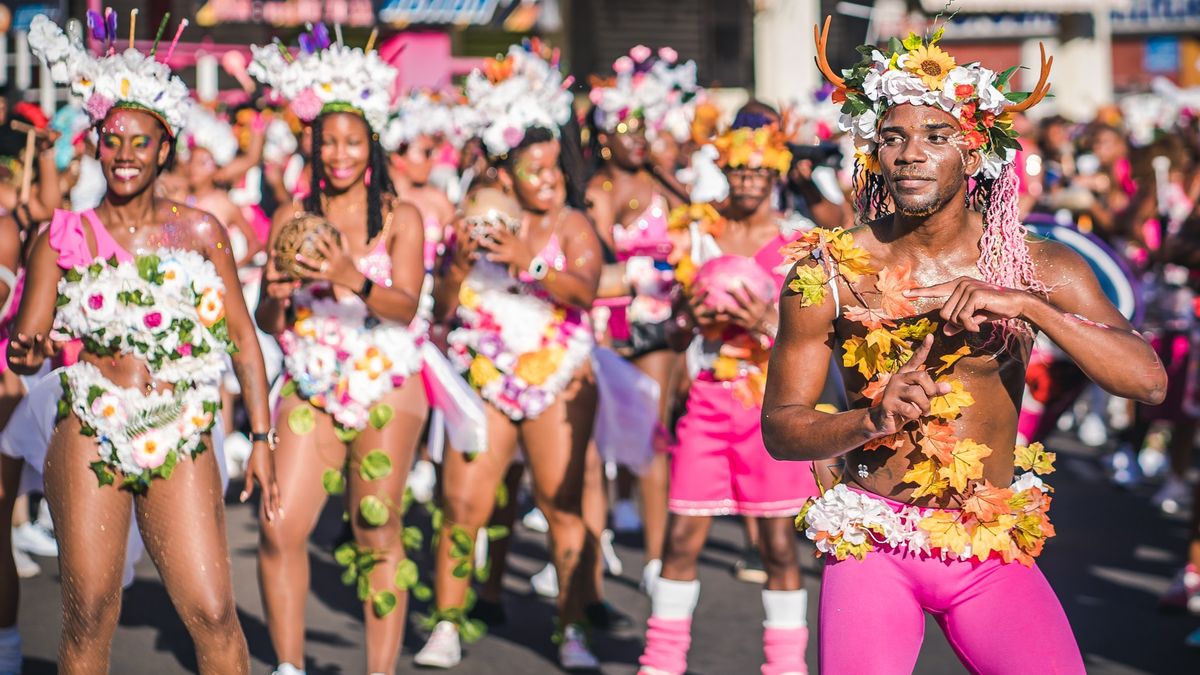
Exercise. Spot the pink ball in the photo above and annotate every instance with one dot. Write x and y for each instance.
(719, 276)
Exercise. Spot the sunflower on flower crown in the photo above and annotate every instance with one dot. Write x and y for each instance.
(522, 91)
(128, 79)
(326, 77)
(916, 70)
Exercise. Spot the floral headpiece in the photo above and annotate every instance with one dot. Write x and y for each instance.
(129, 79)
(763, 147)
(206, 130)
(418, 114)
(522, 91)
(653, 89)
(326, 77)
(915, 70)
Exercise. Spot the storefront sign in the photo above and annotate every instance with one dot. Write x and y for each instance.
(286, 12)
(458, 12)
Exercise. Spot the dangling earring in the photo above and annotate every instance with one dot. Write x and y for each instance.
(321, 183)
(367, 177)
(605, 153)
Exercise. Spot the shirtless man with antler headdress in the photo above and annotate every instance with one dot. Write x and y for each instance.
(931, 302)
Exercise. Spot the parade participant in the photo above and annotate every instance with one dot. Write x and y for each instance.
(11, 391)
(141, 281)
(346, 317)
(521, 285)
(44, 194)
(628, 203)
(208, 147)
(720, 465)
(931, 302)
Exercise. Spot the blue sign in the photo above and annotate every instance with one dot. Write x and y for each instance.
(1162, 55)
(23, 15)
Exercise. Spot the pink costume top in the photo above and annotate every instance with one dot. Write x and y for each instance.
(644, 247)
(341, 357)
(517, 345)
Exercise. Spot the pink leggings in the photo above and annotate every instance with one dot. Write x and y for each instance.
(1001, 619)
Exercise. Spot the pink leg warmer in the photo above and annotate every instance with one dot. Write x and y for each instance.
(783, 649)
(667, 642)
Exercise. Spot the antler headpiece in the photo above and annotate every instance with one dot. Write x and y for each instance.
(915, 70)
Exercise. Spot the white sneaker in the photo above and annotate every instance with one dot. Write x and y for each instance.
(34, 540)
(574, 654)
(650, 574)
(237, 454)
(422, 480)
(27, 567)
(625, 518)
(1174, 496)
(287, 669)
(612, 564)
(443, 649)
(43, 516)
(545, 582)
(536, 521)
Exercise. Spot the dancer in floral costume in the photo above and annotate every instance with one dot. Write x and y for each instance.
(931, 303)
(521, 284)
(352, 405)
(142, 282)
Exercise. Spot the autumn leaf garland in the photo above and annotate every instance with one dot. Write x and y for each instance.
(1008, 522)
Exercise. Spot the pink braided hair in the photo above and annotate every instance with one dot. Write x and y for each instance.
(1004, 258)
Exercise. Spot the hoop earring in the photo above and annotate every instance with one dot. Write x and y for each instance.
(605, 153)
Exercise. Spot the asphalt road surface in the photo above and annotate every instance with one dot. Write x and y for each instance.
(1113, 555)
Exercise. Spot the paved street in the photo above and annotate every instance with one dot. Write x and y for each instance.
(1113, 555)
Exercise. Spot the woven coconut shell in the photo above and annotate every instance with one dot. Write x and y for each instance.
(299, 236)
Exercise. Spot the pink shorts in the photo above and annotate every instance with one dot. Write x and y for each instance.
(720, 465)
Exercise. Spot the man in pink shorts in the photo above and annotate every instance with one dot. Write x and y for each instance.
(720, 465)
(931, 303)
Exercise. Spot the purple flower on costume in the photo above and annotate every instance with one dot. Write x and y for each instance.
(490, 346)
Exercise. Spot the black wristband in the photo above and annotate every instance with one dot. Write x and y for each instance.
(366, 287)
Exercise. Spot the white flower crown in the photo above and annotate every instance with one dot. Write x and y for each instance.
(523, 91)
(128, 79)
(418, 114)
(659, 90)
(326, 77)
(206, 130)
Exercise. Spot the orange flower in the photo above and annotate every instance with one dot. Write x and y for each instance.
(975, 139)
(838, 95)
(536, 367)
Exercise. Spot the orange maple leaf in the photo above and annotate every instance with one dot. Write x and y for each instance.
(892, 283)
(993, 536)
(946, 530)
(949, 360)
(871, 318)
(875, 388)
(987, 501)
(925, 475)
(937, 441)
(966, 463)
(948, 406)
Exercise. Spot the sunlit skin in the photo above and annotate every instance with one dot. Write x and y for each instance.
(938, 237)
(555, 442)
(302, 459)
(90, 519)
(751, 224)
